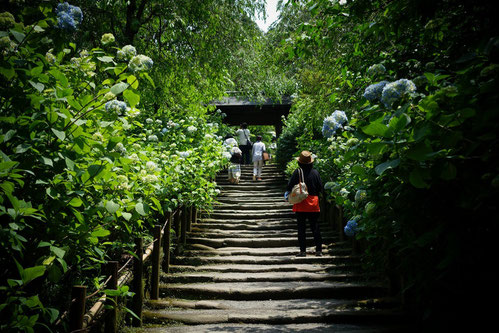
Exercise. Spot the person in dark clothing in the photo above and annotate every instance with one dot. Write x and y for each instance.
(309, 208)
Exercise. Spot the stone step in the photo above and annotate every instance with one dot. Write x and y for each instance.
(240, 199)
(254, 268)
(251, 214)
(281, 205)
(272, 181)
(252, 187)
(215, 234)
(244, 225)
(198, 277)
(339, 248)
(251, 242)
(253, 210)
(286, 316)
(272, 290)
(260, 260)
(280, 328)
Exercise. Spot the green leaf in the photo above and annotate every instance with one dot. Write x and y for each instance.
(9, 135)
(9, 73)
(95, 169)
(376, 128)
(59, 76)
(132, 80)
(118, 88)
(100, 233)
(37, 71)
(47, 161)
(60, 134)
(106, 59)
(416, 179)
(76, 202)
(148, 78)
(420, 152)
(31, 273)
(359, 169)
(19, 36)
(398, 123)
(132, 98)
(37, 85)
(112, 207)
(58, 251)
(142, 209)
(386, 165)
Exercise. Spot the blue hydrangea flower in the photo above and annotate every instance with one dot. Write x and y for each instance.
(116, 106)
(68, 16)
(334, 122)
(351, 228)
(373, 92)
(394, 91)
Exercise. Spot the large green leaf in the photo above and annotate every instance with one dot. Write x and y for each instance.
(118, 88)
(381, 168)
(142, 209)
(376, 128)
(31, 273)
(132, 98)
(112, 207)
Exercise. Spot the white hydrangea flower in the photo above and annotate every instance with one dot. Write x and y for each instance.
(140, 63)
(107, 39)
(97, 136)
(151, 166)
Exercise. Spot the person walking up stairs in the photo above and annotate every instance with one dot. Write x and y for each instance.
(240, 273)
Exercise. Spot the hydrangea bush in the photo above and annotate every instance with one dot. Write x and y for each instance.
(83, 169)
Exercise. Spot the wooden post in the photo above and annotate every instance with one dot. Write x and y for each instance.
(77, 308)
(166, 244)
(183, 228)
(195, 215)
(178, 216)
(340, 223)
(189, 220)
(112, 313)
(156, 251)
(137, 285)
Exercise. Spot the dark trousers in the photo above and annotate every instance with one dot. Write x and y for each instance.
(245, 149)
(312, 218)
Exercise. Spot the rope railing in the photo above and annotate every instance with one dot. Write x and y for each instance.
(181, 220)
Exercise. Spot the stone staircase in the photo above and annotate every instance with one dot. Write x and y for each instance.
(239, 273)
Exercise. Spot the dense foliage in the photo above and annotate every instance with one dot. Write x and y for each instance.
(415, 164)
(105, 127)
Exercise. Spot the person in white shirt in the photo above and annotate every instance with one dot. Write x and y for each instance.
(243, 137)
(256, 153)
(230, 142)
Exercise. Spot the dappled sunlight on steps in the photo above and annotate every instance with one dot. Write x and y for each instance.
(239, 273)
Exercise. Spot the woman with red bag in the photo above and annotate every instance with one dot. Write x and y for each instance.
(307, 209)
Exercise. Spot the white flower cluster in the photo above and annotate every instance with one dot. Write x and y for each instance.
(126, 53)
(107, 39)
(120, 148)
(152, 137)
(140, 63)
(184, 154)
